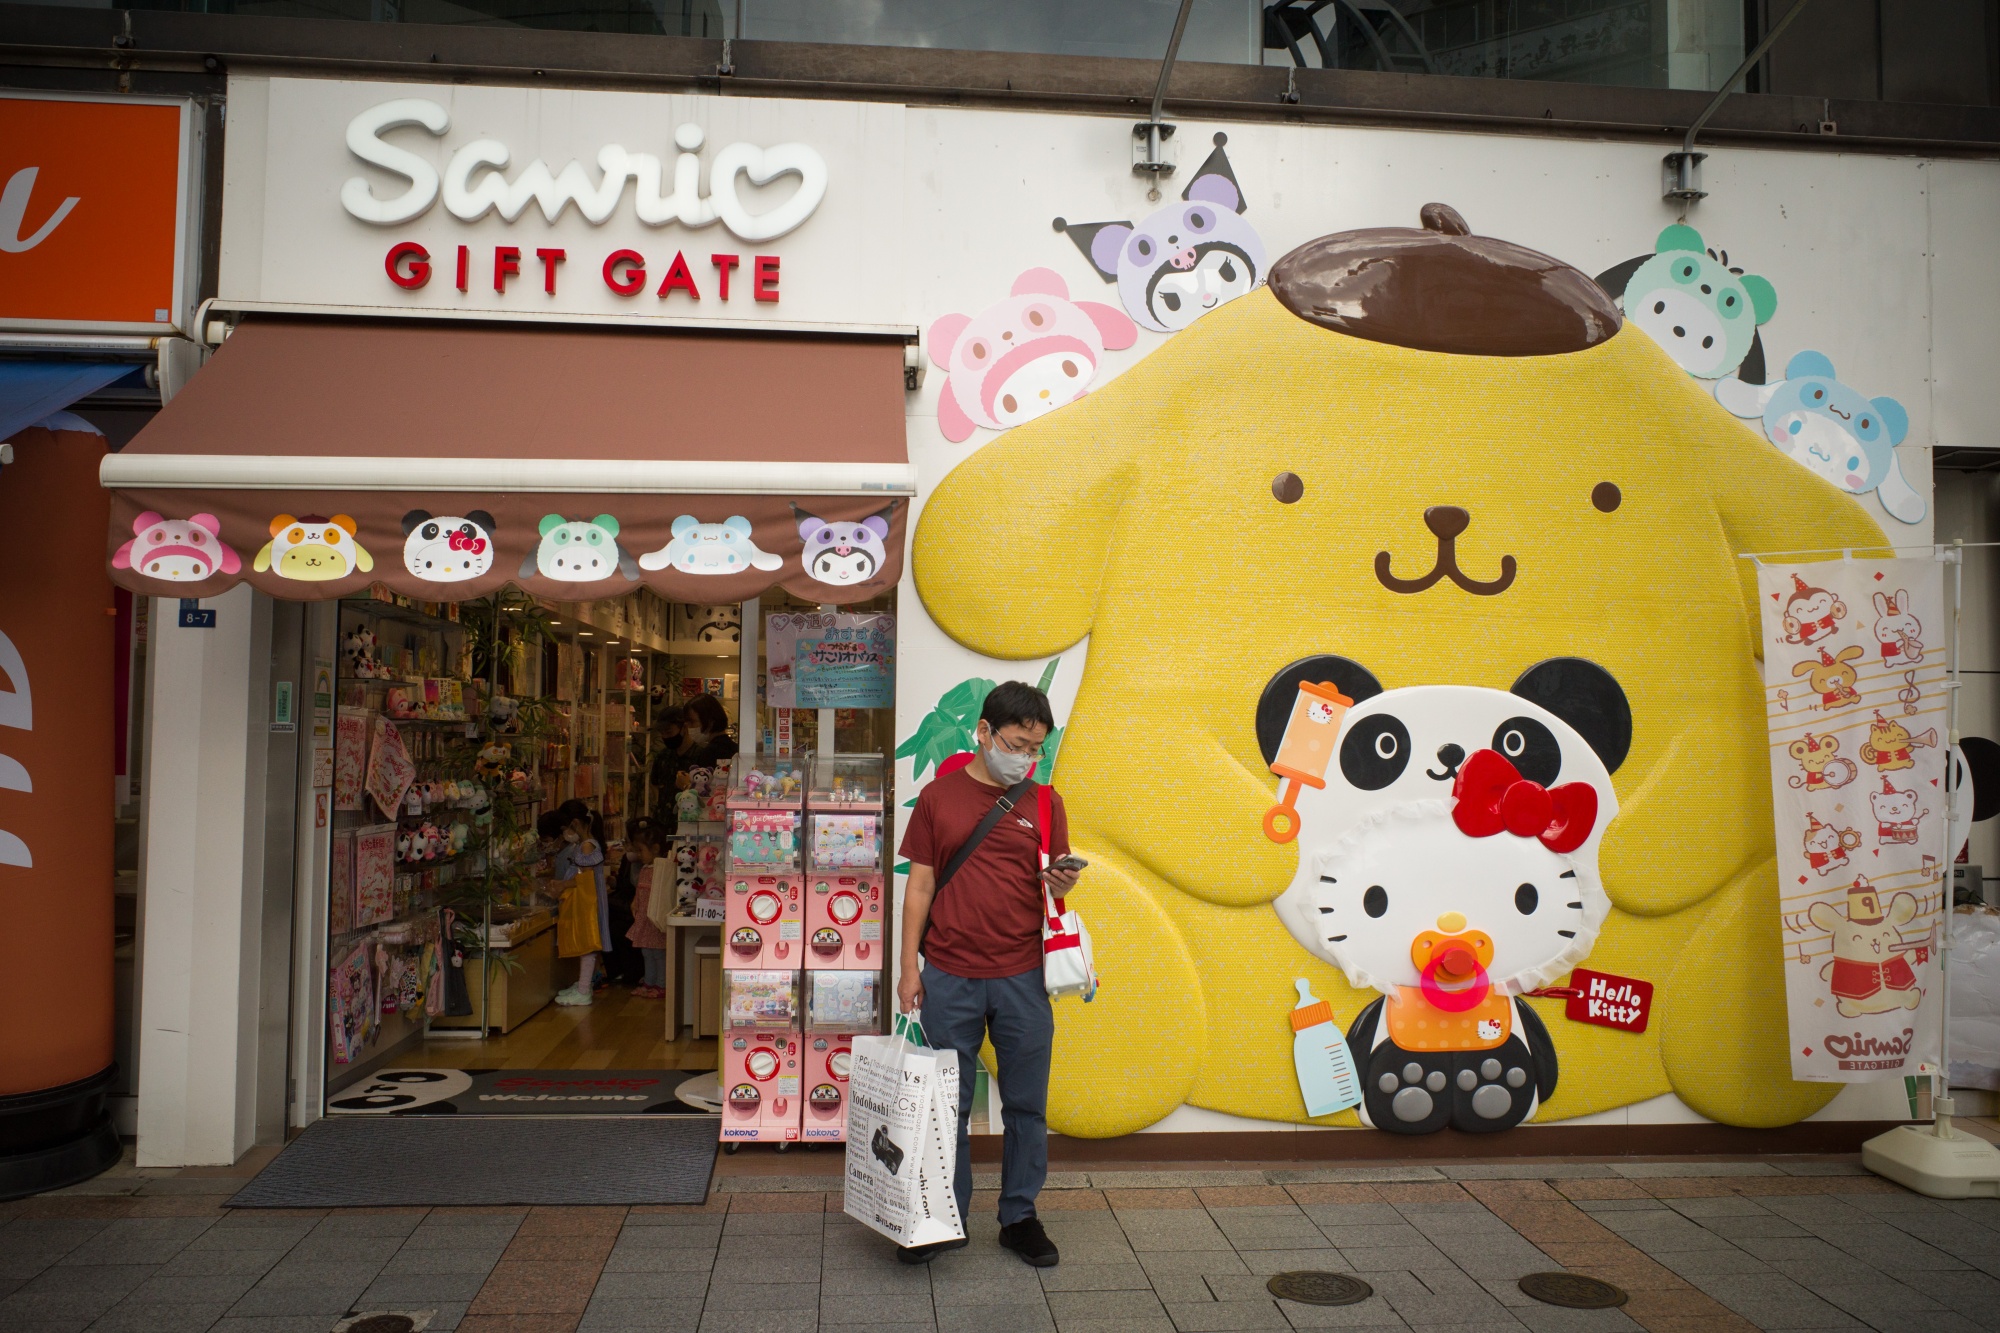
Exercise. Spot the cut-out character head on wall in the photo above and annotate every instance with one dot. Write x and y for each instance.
(1022, 358)
(1185, 259)
(1593, 497)
(1690, 301)
(1832, 430)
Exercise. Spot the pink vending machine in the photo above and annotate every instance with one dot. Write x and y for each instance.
(845, 892)
(838, 1005)
(763, 1058)
(764, 914)
(763, 920)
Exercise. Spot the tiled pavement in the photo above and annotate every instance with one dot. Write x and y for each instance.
(1776, 1244)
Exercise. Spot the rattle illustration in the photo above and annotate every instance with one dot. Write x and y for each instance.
(1304, 753)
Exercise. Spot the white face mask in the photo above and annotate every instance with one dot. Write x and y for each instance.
(1007, 766)
(696, 735)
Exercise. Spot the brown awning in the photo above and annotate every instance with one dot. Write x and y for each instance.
(315, 458)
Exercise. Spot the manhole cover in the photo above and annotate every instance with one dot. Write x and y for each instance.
(1573, 1290)
(382, 1323)
(1310, 1287)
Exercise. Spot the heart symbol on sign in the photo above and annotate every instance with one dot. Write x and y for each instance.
(762, 166)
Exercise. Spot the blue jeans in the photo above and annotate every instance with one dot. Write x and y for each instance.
(959, 1012)
(656, 967)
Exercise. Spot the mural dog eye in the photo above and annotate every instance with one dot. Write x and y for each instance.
(1023, 357)
(1413, 882)
(1185, 259)
(1832, 430)
(448, 550)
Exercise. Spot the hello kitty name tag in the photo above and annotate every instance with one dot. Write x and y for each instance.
(1608, 1000)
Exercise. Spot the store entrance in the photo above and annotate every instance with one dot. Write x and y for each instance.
(530, 803)
(492, 757)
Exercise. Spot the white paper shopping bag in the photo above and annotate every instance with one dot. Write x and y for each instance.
(902, 1137)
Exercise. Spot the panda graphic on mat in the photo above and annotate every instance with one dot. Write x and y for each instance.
(1450, 862)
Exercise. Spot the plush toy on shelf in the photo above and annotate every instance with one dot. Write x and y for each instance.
(358, 651)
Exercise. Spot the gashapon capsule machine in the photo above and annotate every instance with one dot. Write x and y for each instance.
(763, 1058)
(763, 919)
(838, 1005)
(845, 893)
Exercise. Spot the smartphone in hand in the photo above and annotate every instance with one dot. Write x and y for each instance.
(1068, 861)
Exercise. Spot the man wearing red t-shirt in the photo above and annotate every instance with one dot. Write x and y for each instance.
(981, 970)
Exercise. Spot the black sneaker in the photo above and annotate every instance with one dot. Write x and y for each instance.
(923, 1254)
(1027, 1239)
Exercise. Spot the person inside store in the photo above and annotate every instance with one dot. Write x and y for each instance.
(709, 742)
(645, 842)
(623, 963)
(976, 918)
(670, 746)
(573, 836)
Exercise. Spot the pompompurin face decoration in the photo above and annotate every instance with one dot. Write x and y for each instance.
(579, 551)
(1831, 430)
(1185, 259)
(313, 549)
(177, 550)
(711, 548)
(1022, 358)
(447, 549)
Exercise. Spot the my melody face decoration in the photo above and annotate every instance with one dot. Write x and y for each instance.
(1450, 862)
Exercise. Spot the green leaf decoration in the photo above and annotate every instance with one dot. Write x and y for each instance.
(947, 729)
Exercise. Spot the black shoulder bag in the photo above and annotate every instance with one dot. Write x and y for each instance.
(1001, 807)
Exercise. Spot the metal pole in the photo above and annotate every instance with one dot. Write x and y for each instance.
(1154, 130)
(1682, 164)
(1942, 1106)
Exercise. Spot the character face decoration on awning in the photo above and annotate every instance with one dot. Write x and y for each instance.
(314, 549)
(182, 550)
(579, 551)
(710, 548)
(448, 549)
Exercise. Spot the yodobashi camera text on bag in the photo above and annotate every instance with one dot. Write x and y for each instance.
(902, 1136)
(1067, 964)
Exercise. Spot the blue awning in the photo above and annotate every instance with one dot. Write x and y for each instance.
(33, 390)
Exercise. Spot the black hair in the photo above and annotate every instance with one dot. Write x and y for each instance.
(708, 710)
(647, 831)
(1014, 703)
(568, 813)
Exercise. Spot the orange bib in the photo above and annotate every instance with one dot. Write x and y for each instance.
(1415, 1024)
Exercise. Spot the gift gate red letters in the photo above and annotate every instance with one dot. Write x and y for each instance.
(408, 265)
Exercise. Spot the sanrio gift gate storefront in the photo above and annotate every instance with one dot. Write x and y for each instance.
(1169, 462)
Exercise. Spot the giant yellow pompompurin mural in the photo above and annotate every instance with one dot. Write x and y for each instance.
(1435, 470)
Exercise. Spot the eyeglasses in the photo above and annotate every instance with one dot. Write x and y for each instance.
(1017, 747)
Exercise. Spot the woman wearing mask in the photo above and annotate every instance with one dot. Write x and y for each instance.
(670, 749)
(707, 732)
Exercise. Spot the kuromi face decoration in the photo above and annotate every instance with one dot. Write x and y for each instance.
(439, 549)
(313, 549)
(842, 553)
(711, 548)
(1022, 358)
(177, 550)
(1185, 259)
(579, 551)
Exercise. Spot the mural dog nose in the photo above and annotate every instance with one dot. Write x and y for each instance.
(1446, 521)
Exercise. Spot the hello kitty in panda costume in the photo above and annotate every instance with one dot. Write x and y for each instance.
(1450, 862)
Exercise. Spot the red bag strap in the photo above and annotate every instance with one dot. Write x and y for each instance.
(1045, 808)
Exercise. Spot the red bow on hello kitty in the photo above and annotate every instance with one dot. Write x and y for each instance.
(462, 540)
(1490, 794)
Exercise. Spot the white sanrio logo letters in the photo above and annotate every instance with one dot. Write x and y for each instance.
(14, 213)
(17, 710)
(473, 185)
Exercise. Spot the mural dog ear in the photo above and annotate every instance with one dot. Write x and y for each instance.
(1274, 705)
(1586, 696)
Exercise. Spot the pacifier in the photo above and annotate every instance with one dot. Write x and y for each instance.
(1451, 965)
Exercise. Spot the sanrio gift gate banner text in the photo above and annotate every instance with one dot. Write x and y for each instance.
(538, 203)
(1854, 671)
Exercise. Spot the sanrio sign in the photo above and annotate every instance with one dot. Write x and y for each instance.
(575, 205)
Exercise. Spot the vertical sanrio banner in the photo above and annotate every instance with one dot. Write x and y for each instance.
(1854, 670)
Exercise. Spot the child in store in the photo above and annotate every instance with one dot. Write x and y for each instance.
(576, 836)
(645, 841)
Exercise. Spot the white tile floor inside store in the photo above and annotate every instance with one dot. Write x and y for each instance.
(1700, 1245)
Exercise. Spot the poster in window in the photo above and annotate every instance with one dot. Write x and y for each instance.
(350, 761)
(849, 663)
(374, 874)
